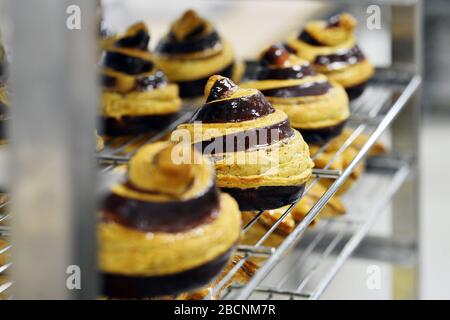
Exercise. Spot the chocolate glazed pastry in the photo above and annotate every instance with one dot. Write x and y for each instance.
(166, 229)
(136, 97)
(192, 51)
(260, 160)
(331, 47)
(315, 105)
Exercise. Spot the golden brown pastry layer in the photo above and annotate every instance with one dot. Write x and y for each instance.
(133, 86)
(167, 217)
(192, 51)
(130, 252)
(309, 99)
(331, 47)
(281, 159)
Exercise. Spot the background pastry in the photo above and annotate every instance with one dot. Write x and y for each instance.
(167, 229)
(345, 158)
(192, 51)
(331, 47)
(137, 96)
(317, 107)
(260, 160)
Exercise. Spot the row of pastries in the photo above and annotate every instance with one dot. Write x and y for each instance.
(170, 227)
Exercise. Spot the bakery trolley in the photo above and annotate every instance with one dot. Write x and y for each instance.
(50, 225)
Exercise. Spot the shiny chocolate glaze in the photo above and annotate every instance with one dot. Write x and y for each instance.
(294, 72)
(350, 56)
(221, 89)
(193, 43)
(141, 83)
(139, 40)
(265, 198)
(307, 38)
(234, 110)
(246, 140)
(126, 64)
(355, 91)
(321, 136)
(169, 216)
(195, 88)
(139, 287)
(131, 125)
(306, 89)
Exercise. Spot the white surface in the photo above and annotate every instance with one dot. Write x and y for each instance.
(435, 224)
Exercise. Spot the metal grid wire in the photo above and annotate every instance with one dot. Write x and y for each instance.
(5, 247)
(308, 270)
(372, 113)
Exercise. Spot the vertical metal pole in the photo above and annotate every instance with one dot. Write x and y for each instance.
(407, 53)
(53, 164)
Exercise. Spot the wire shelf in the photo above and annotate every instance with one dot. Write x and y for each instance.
(372, 113)
(314, 263)
(308, 270)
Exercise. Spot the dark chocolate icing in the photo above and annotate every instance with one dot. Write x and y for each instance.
(307, 38)
(320, 136)
(302, 90)
(132, 125)
(234, 110)
(273, 65)
(139, 40)
(168, 216)
(265, 198)
(247, 140)
(294, 72)
(138, 287)
(193, 43)
(221, 89)
(350, 56)
(195, 88)
(127, 64)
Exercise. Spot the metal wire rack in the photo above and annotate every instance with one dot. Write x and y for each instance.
(311, 269)
(372, 114)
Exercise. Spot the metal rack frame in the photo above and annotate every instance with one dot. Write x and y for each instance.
(391, 101)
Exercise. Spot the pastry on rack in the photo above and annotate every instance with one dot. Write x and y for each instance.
(377, 149)
(260, 160)
(192, 51)
(136, 95)
(316, 106)
(242, 276)
(331, 47)
(324, 157)
(268, 218)
(339, 163)
(166, 229)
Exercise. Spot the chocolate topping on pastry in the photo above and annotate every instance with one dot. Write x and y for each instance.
(331, 47)
(192, 51)
(129, 65)
(165, 204)
(134, 89)
(189, 34)
(252, 145)
(312, 102)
